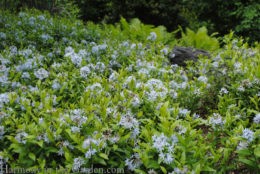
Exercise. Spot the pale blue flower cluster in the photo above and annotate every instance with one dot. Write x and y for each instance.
(2, 131)
(155, 89)
(248, 135)
(133, 162)
(2, 35)
(21, 137)
(128, 121)
(216, 120)
(77, 163)
(4, 99)
(152, 36)
(203, 79)
(78, 116)
(257, 118)
(41, 74)
(165, 147)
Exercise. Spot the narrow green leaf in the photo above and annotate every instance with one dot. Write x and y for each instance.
(42, 163)
(247, 161)
(198, 168)
(32, 156)
(139, 171)
(183, 157)
(100, 161)
(208, 169)
(68, 156)
(163, 170)
(257, 151)
(40, 143)
(244, 152)
(16, 148)
(51, 149)
(103, 155)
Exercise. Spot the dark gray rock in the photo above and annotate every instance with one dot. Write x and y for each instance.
(179, 55)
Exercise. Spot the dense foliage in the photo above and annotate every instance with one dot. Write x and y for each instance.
(241, 16)
(75, 95)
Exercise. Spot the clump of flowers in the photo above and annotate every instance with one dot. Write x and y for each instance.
(41, 74)
(165, 147)
(2, 131)
(4, 99)
(155, 89)
(21, 137)
(257, 118)
(128, 121)
(216, 120)
(133, 162)
(152, 36)
(78, 116)
(77, 163)
(248, 135)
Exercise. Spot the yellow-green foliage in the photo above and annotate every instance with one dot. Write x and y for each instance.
(200, 39)
(138, 30)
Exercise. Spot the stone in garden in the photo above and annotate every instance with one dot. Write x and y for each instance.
(179, 55)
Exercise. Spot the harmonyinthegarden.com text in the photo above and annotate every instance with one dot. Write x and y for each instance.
(6, 169)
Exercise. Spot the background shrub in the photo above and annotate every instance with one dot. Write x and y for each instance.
(240, 16)
(61, 7)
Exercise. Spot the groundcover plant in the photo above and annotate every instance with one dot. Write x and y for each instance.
(76, 95)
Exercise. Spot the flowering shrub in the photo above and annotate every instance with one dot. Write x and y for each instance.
(75, 95)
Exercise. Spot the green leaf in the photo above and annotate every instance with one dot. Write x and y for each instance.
(257, 151)
(164, 110)
(152, 164)
(51, 149)
(68, 156)
(254, 100)
(183, 157)
(140, 171)
(16, 148)
(244, 152)
(103, 155)
(40, 143)
(99, 160)
(72, 136)
(163, 170)
(42, 163)
(198, 168)
(115, 147)
(125, 138)
(208, 169)
(247, 161)
(32, 156)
